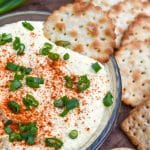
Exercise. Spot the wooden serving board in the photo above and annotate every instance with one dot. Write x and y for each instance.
(116, 137)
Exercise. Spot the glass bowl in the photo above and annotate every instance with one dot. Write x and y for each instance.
(101, 133)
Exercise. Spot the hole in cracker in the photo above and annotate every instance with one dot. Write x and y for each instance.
(133, 81)
(123, 60)
(144, 130)
(147, 107)
(62, 19)
(65, 33)
(148, 121)
(143, 116)
(133, 95)
(141, 61)
(81, 26)
(72, 14)
(142, 72)
(130, 71)
(131, 53)
(134, 133)
(101, 27)
(87, 45)
(84, 14)
(53, 28)
(140, 51)
(103, 39)
(76, 39)
(144, 96)
(94, 18)
(143, 84)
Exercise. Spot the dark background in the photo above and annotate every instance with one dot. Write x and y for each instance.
(116, 138)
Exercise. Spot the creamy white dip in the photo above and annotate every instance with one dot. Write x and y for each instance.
(91, 117)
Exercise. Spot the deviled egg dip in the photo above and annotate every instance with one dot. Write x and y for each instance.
(50, 96)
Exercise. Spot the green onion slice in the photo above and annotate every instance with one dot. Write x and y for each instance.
(15, 85)
(70, 104)
(14, 107)
(62, 43)
(7, 123)
(5, 38)
(29, 101)
(14, 137)
(73, 134)
(28, 132)
(66, 56)
(11, 66)
(61, 102)
(34, 82)
(69, 82)
(83, 83)
(107, 100)
(53, 142)
(53, 56)
(96, 67)
(16, 43)
(18, 46)
(46, 49)
(8, 130)
(28, 25)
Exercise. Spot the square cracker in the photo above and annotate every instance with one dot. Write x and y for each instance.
(134, 63)
(137, 126)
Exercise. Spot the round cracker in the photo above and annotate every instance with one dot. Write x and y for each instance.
(89, 30)
(134, 63)
(104, 4)
(138, 30)
(124, 13)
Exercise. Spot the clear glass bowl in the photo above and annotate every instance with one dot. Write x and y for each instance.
(100, 136)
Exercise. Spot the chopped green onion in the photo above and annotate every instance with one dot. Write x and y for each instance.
(25, 70)
(7, 123)
(16, 43)
(18, 76)
(29, 101)
(53, 142)
(21, 49)
(53, 56)
(15, 85)
(14, 137)
(28, 25)
(28, 70)
(14, 107)
(83, 83)
(73, 134)
(5, 38)
(11, 66)
(28, 132)
(8, 130)
(107, 100)
(69, 82)
(61, 102)
(34, 82)
(66, 56)
(62, 43)
(96, 67)
(18, 46)
(70, 104)
(46, 49)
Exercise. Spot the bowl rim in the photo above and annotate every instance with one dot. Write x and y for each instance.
(115, 113)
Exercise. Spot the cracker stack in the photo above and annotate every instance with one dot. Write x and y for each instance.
(133, 59)
(94, 28)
